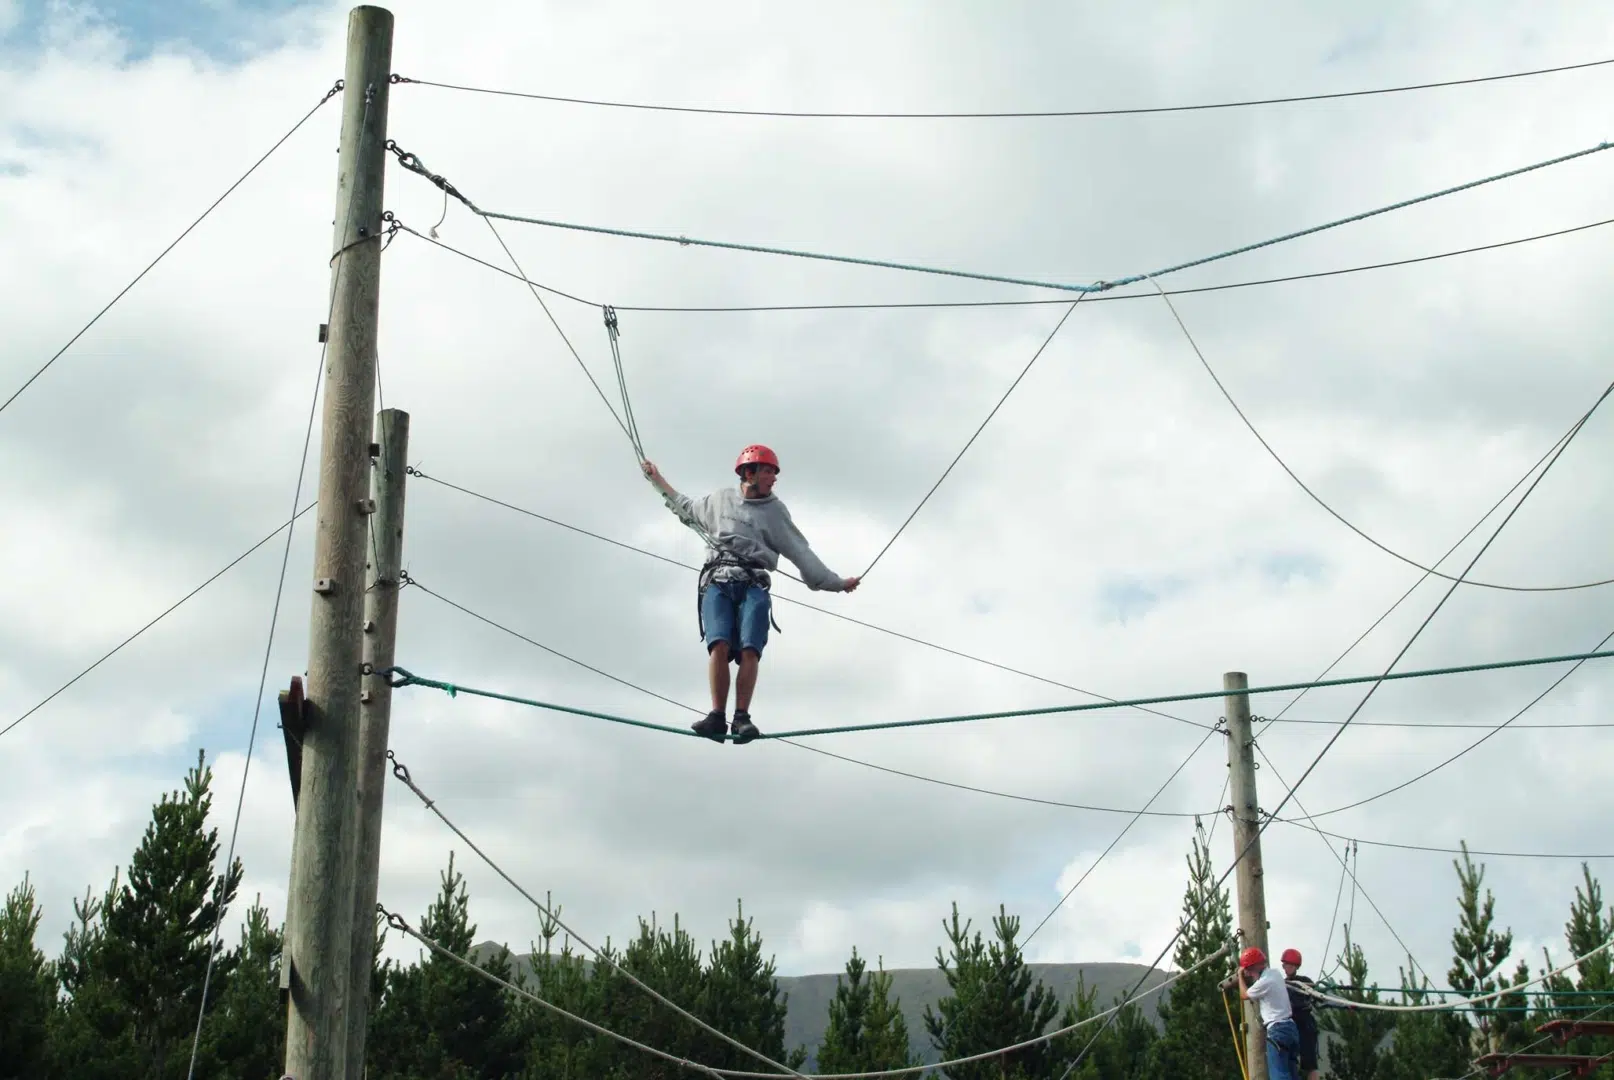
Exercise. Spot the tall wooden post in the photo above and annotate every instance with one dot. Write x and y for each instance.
(319, 908)
(1252, 903)
(375, 709)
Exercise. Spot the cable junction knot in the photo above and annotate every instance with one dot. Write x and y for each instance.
(401, 771)
(336, 88)
(611, 326)
(404, 580)
(395, 921)
(413, 163)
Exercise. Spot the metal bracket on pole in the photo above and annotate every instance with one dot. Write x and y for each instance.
(293, 726)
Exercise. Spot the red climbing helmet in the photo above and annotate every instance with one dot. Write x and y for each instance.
(1291, 956)
(1252, 957)
(756, 454)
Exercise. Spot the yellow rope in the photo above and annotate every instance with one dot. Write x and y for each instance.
(1238, 1043)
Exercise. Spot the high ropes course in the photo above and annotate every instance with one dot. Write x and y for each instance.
(367, 243)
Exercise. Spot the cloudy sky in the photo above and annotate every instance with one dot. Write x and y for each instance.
(1116, 528)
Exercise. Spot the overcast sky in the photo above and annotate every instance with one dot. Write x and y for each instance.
(1116, 528)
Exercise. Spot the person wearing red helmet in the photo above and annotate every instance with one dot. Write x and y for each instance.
(1300, 1005)
(746, 530)
(1264, 986)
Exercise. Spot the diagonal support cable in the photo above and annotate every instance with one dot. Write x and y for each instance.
(332, 92)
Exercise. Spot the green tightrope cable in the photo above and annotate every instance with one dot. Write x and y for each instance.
(403, 677)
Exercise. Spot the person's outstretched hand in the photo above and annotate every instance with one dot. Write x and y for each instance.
(652, 473)
(852, 583)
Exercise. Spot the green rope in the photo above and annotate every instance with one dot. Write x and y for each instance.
(406, 678)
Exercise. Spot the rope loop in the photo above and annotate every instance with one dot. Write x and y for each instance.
(399, 769)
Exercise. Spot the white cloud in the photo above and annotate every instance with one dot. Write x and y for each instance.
(167, 441)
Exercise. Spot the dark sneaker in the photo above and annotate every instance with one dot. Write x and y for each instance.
(743, 729)
(712, 726)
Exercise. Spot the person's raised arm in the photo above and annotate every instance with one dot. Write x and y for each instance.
(696, 513)
(653, 474)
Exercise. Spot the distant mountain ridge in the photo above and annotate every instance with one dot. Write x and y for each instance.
(809, 995)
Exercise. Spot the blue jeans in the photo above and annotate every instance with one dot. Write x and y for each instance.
(735, 612)
(1283, 1049)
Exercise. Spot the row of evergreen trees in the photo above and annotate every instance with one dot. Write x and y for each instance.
(121, 1000)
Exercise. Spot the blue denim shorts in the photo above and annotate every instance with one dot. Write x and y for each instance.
(735, 612)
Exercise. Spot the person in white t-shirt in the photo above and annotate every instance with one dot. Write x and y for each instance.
(1266, 987)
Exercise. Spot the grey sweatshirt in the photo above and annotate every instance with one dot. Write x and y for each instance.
(755, 530)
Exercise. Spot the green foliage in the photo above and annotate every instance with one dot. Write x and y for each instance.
(134, 966)
(994, 1001)
(27, 987)
(742, 999)
(1425, 1043)
(1590, 926)
(1478, 948)
(886, 1041)
(121, 999)
(558, 1049)
(245, 1032)
(866, 1032)
(1120, 1051)
(1359, 1047)
(440, 1020)
(1195, 1043)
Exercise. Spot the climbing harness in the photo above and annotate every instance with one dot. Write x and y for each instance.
(754, 576)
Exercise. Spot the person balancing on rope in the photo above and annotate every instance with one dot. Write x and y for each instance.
(746, 530)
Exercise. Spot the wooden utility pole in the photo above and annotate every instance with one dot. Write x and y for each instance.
(1247, 834)
(319, 908)
(375, 709)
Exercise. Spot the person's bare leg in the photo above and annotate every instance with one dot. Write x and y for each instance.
(746, 682)
(717, 675)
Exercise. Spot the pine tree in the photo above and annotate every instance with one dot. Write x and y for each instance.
(135, 980)
(1590, 926)
(886, 1041)
(1358, 1034)
(1195, 1043)
(843, 1048)
(866, 1032)
(995, 1001)
(743, 999)
(439, 1020)
(670, 963)
(90, 1037)
(1122, 1050)
(556, 1048)
(245, 1032)
(1425, 1044)
(1479, 950)
(27, 988)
